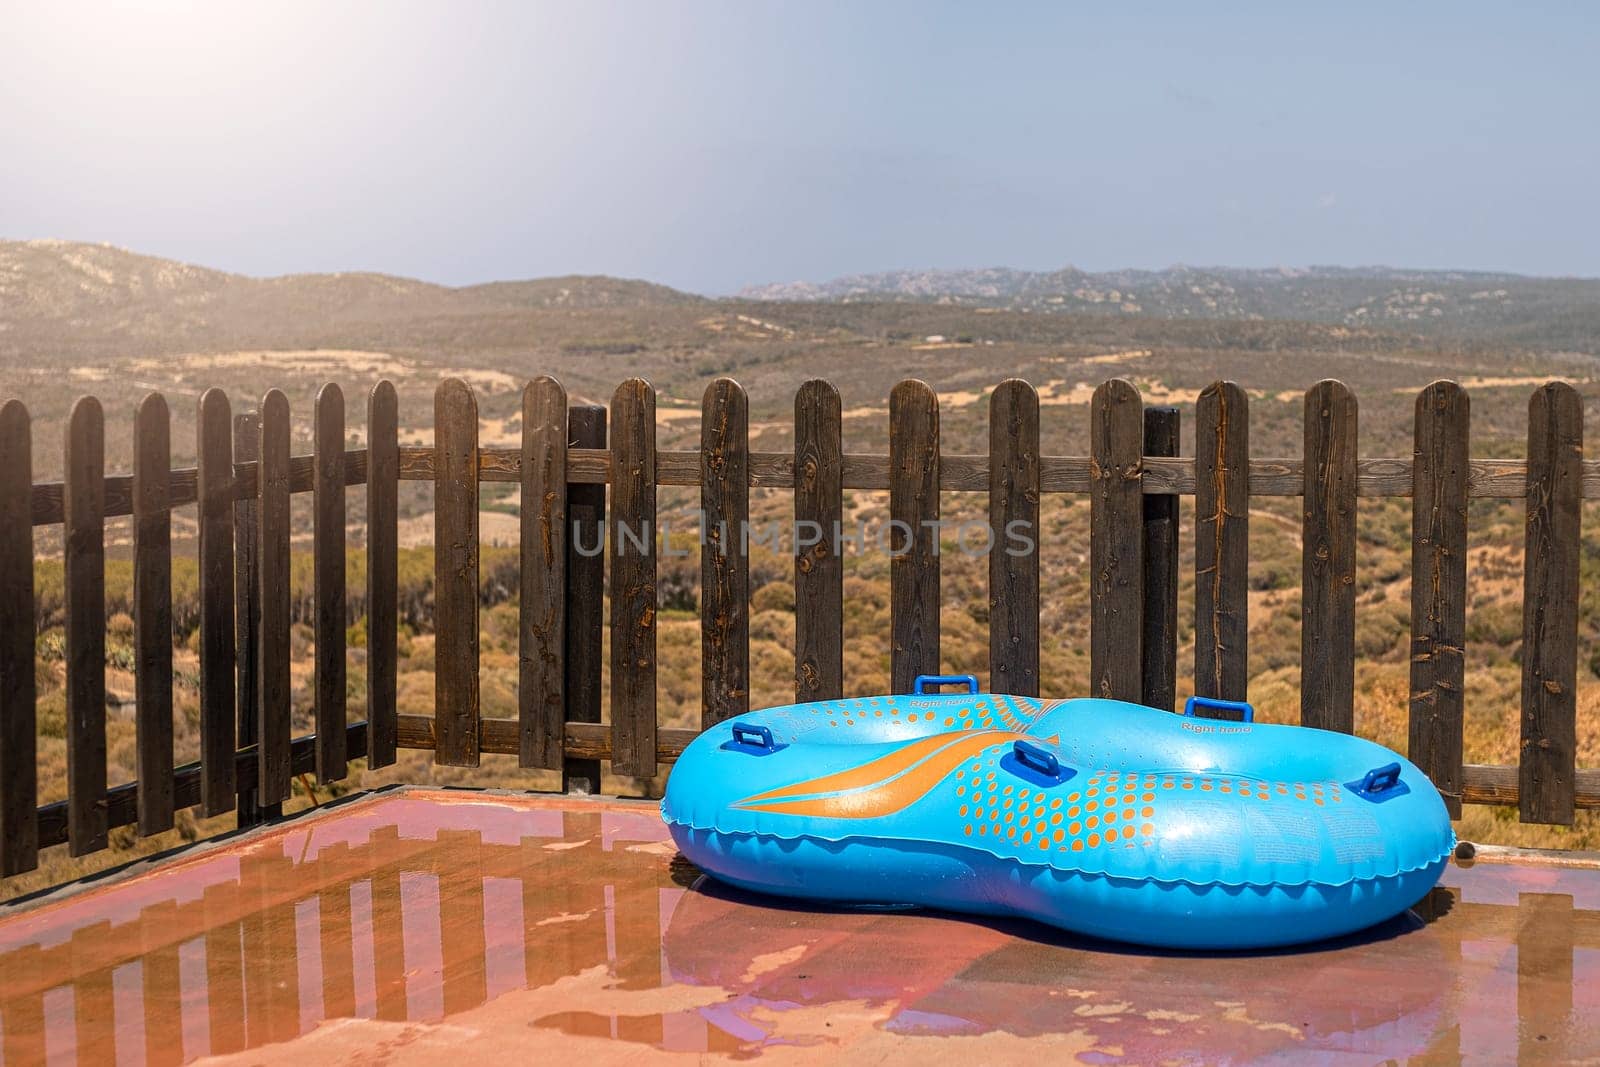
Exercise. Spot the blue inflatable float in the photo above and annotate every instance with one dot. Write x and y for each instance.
(1100, 817)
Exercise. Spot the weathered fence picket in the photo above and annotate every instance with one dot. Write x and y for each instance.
(542, 620)
(566, 460)
(383, 506)
(1439, 586)
(328, 546)
(632, 539)
(1014, 525)
(215, 491)
(152, 613)
(84, 539)
(1328, 568)
(1550, 605)
(455, 575)
(724, 553)
(273, 732)
(1222, 542)
(19, 767)
(914, 470)
(818, 562)
(1116, 542)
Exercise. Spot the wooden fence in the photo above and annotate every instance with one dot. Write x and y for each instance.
(245, 474)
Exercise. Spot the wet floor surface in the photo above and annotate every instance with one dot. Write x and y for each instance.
(425, 927)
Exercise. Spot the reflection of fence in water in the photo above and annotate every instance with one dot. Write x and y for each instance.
(392, 928)
(1544, 929)
(399, 928)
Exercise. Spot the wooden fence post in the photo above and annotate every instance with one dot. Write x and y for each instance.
(83, 547)
(586, 564)
(327, 547)
(1222, 542)
(633, 580)
(152, 612)
(1328, 561)
(271, 576)
(19, 787)
(913, 533)
(455, 575)
(383, 501)
(214, 487)
(1439, 472)
(724, 558)
(1116, 542)
(818, 565)
(1550, 605)
(1159, 674)
(542, 617)
(1014, 539)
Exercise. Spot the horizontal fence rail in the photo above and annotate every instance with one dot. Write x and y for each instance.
(1487, 479)
(571, 460)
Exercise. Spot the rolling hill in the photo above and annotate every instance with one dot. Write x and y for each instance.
(98, 296)
(1553, 312)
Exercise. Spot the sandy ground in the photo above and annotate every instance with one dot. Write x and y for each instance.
(494, 528)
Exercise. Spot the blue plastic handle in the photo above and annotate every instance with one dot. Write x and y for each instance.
(924, 680)
(1040, 759)
(1381, 779)
(1380, 785)
(1218, 704)
(754, 736)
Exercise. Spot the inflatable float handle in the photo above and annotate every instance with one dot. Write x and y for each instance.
(1247, 713)
(1381, 778)
(1380, 784)
(924, 680)
(1040, 759)
(754, 736)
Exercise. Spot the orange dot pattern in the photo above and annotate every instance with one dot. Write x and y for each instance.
(987, 711)
(1108, 809)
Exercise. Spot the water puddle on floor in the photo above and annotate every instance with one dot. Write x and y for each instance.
(426, 927)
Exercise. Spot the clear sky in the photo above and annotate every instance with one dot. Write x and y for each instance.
(713, 145)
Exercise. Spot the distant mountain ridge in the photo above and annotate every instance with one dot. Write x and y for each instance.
(98, 298)
(100, 295)
(1426, 300)
(63, 279)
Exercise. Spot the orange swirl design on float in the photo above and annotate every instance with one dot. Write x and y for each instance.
(890, 783)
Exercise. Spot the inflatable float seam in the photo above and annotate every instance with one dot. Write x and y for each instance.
(1395, 871)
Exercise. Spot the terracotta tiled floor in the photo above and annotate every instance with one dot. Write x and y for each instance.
(424, 926)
